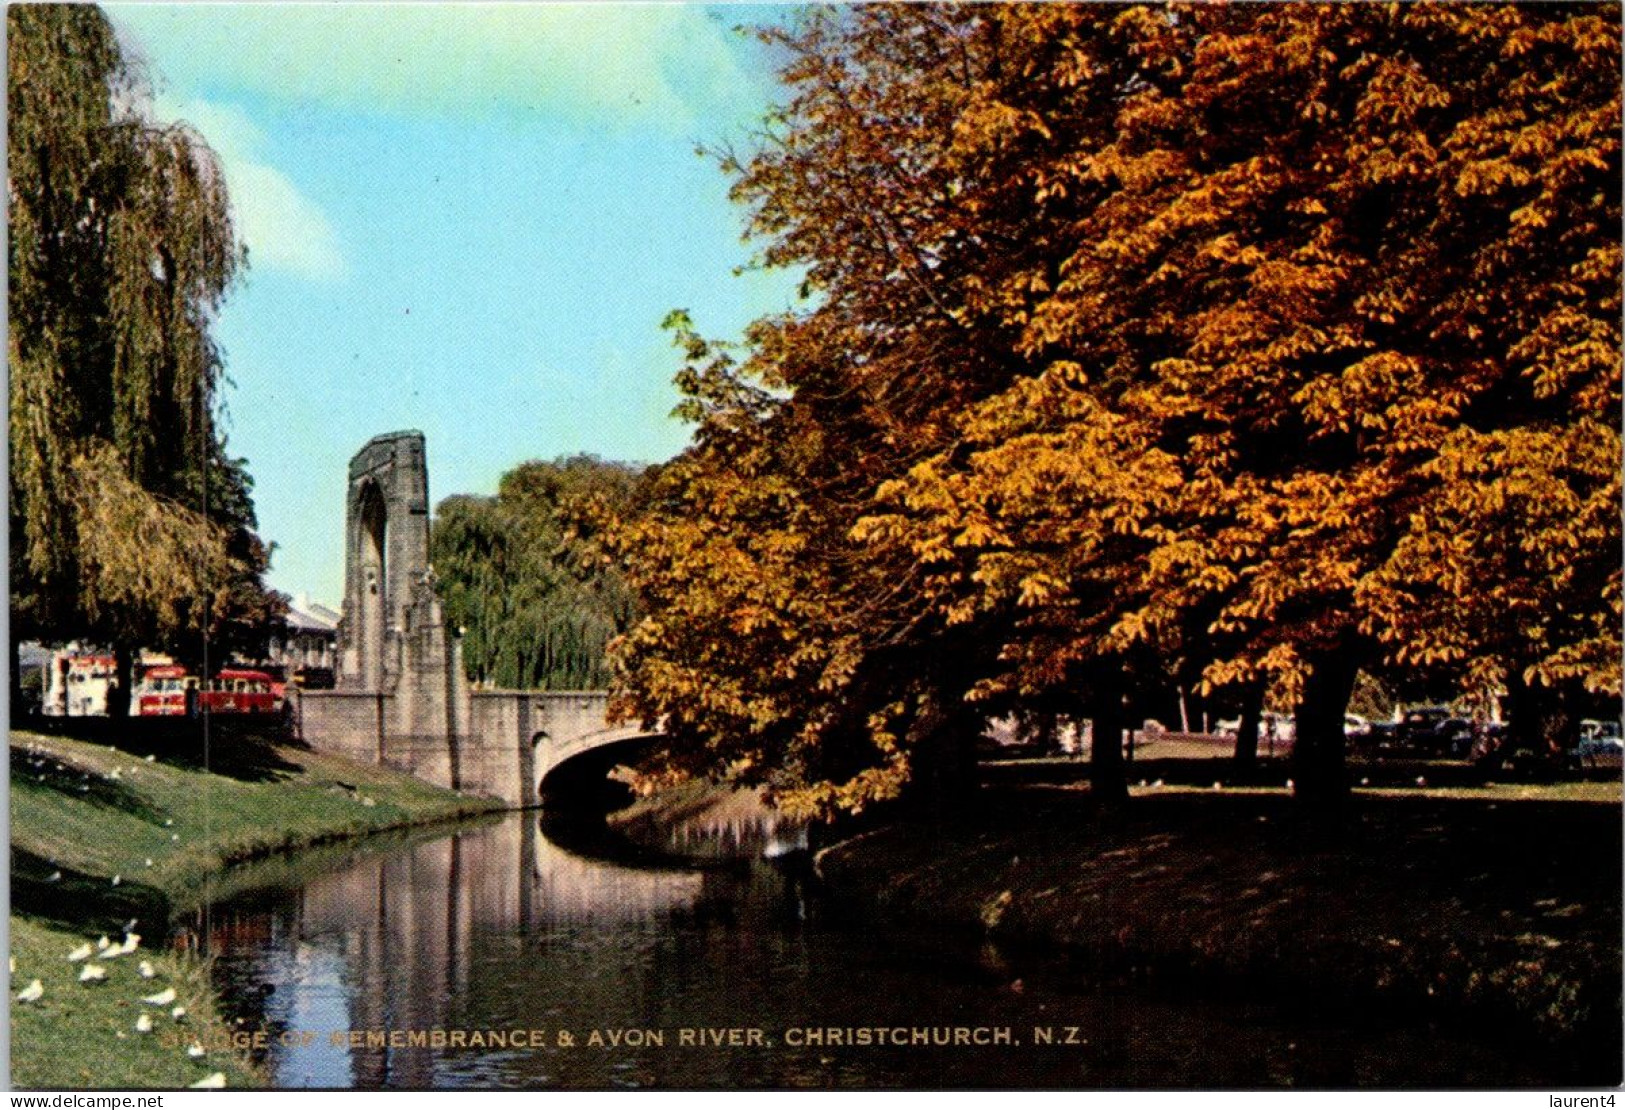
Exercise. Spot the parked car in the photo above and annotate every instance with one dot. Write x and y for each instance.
(1601, 743)
(1432, 730)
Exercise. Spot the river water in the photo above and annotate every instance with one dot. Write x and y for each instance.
(609, 968)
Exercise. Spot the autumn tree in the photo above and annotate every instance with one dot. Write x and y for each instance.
(120, 251)
(524, 576)
(777, 644)
(1347, 279)
(1149, 340)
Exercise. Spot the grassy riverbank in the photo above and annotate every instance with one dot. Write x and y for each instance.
(103, 834)
(1496, 910)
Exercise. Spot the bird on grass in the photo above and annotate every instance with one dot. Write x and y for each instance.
(211, 1083)
(178, 1013)
(93, 973)
(146, 969)
(195, 1051)
(117, 879)
(143, 1024)
(54, 877)
(103, 944)
(162, 998)
(132, 941)
(81, 953)
(31, 993)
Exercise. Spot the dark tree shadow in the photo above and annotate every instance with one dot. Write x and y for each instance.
(64, 897)
(46, 771)
(235, 746)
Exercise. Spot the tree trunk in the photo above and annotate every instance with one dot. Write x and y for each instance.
(1317, 753)
(1252, 713)
(944, 780)
(1538, 720)
(118, 694)
(1107, 778)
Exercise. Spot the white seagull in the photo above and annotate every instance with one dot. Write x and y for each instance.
(143, 1024)
(162, 998)
(103, 944)
(146, 969)
(81, 953)
(93, 973)
(213, 1083)
(178, 1013)
(31, 993)
(195, 1051)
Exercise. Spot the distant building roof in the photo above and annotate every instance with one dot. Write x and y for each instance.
(305, 615)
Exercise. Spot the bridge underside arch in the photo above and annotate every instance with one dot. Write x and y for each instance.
(580, 778)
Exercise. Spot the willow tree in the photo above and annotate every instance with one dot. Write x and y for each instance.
(524, 576)
(120, 251)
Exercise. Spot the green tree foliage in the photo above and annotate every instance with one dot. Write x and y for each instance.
(128, 524)
(525, 577)
(1251, 344)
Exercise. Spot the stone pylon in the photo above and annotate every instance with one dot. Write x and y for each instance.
(392, 639)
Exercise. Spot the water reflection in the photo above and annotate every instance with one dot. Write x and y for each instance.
(497, 928)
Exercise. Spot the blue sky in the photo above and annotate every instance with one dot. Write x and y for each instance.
(466, 219)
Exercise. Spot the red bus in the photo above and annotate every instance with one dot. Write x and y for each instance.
(166, 691)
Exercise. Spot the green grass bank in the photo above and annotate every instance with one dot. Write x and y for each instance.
(104, 833)
(1495, 909)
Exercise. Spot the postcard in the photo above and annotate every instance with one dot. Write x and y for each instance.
(942, 547)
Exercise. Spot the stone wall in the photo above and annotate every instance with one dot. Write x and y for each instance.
(496, 755)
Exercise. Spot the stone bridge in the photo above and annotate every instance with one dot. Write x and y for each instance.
(520, 746)
(401, 698)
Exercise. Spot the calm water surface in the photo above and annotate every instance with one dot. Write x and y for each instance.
(499, 927)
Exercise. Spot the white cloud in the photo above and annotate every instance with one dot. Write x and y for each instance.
(597, 64)
(284, 229)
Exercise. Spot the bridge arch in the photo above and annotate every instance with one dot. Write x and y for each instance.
(576, 768)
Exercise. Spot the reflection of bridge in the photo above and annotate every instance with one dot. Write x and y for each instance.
(402, 699)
